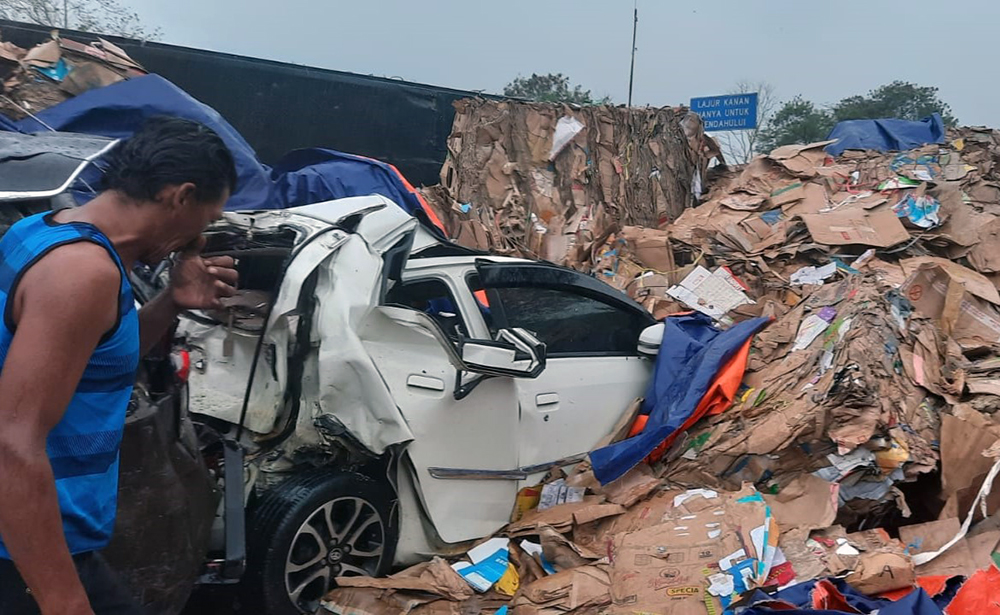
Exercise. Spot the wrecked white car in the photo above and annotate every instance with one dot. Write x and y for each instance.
(392, 391)
(373, 396)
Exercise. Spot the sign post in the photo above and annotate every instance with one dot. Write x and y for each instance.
(728, 112)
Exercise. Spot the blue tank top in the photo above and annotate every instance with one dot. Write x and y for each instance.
(83, 446)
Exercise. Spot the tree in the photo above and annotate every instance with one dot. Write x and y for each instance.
(739, 146)
(100, 16)
(549, 88)
(899, 99)
(797, 121)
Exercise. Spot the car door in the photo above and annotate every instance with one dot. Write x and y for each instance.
(593, 369)
(463, 449)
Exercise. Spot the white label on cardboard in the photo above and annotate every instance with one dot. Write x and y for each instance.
(708, 494)
(722, 584)
(728, 561)
(487, 549)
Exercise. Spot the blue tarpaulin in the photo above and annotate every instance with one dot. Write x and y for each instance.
(916, 602)
(302, 177)
(690, 357)
(316, 175)
(887, 135)
(7, 124)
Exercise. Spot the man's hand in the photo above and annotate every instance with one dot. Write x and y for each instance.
(198, 283)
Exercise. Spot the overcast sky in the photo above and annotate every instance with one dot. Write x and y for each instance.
(822, 50)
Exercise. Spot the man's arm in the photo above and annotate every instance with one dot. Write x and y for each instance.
(62, 307)
(154, 319)
(195, 283)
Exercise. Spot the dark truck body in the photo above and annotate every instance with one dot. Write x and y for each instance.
(279, 107)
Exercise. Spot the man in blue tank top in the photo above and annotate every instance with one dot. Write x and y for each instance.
(70, 342)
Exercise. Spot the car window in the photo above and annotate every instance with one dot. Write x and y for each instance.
(570, 323)
(483, 303)
(434, 298)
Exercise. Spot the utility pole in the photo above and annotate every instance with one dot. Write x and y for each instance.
(66, 16)
(635, 27)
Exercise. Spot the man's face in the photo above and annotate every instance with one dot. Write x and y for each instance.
(183, 220)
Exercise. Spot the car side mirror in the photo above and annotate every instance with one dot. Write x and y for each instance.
(650, 340)
(515, 353)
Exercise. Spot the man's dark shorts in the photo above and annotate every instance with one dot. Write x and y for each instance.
(108, 596)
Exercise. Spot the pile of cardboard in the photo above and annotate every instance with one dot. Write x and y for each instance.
(879, 372)
(58, 69)
(643, 545)
(554, 181)
(863, 445)
(878, 270)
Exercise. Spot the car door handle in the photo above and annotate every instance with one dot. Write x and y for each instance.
(425, 382)
(546, 399)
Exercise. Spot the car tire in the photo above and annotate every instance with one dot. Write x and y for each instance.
(310, 529)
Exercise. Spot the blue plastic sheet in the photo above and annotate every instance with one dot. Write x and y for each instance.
(8, 125)
(57, 72)
(916, 602)
(315, 175)
(691, 354)
(887, 135)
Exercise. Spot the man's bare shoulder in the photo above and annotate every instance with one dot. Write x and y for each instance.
(80, 275)
(77, 265)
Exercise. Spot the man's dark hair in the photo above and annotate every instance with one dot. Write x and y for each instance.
(168, 151)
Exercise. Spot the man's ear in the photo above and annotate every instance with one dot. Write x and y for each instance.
(176, 197)
(184, 197)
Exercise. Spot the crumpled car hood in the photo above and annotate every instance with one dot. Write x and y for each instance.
(339, 378)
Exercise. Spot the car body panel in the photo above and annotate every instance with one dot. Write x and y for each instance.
(386, 375)
(574, 403)
(478, 431)
(578, 398)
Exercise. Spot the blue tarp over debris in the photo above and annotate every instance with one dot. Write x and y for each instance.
(303, 177)
(691, 355)
(851, 601)
(7, 124)
(315, 175)
(888, 135)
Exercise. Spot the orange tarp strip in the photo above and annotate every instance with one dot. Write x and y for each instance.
(481, 298)
(719, 396)
(423, 202)
(406, 183)
(932, 584)
(980, 595)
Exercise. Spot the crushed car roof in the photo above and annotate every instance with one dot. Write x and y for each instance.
(39, 166)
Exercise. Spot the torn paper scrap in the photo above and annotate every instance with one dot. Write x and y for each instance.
(812, 327)
(711, 293)
(566, 128)
(490, 562)
(558, 492)
(813, 275)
